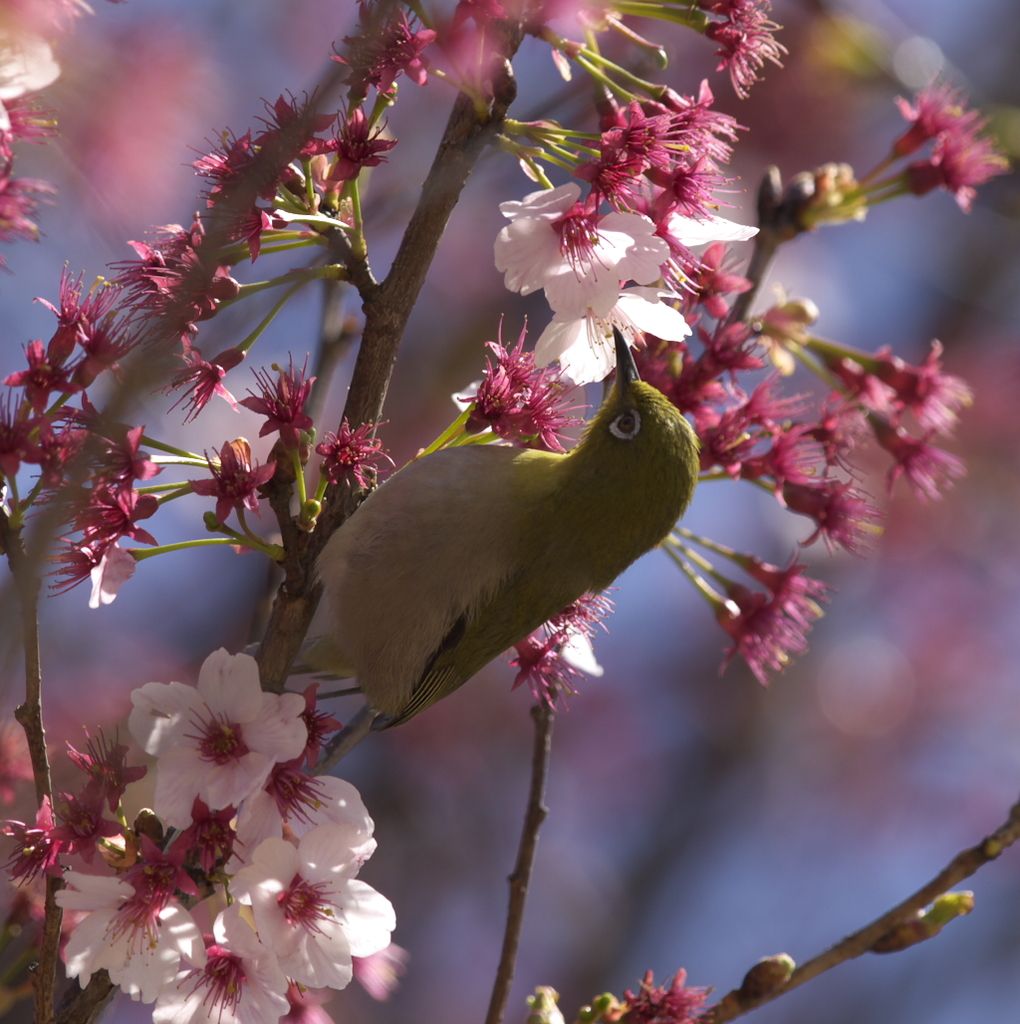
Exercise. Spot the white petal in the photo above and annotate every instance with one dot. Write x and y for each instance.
(278, 731)
(651, 315)
(526, 252)
(573, 293)
(180, 776)
(644, 256)
(560, 336)
(578, 653)
(326, 853)
(26, 65)
(93, 892)
(226, 785)
(322, 960)
(545, 204)
(697, 231)
(87, 945)
(162, 714)
(342, 804)
(259, 819)
(178, 928)
(115, 568)
(230, 685)
(367, 917)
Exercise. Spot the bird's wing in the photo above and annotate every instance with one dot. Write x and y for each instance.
(424, 552)
(524, 602)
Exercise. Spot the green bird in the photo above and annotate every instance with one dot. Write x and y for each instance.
(466, 551)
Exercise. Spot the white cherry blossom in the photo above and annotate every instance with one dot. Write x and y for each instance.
(139, 945)
(240, 983)
(219, 740)
(584, 344)
(310, 909)
(580, 270)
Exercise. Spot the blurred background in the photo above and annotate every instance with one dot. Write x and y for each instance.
(696, 821)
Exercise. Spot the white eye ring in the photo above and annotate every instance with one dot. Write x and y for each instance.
(627, 425)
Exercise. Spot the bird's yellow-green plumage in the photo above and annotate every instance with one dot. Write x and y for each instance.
(468, 550)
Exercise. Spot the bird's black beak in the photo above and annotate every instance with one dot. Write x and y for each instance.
(626, 371)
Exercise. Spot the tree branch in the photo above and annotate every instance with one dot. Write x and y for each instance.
(543, 715)
(962, 866)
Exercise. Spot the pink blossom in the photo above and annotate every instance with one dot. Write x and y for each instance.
(933, 396)
(379, 974)
(928, 470)
(172, 285)
(36, 850)
(45, 375)
(358, 145)
(121, 462)
(18, 205)
(204, 379)
(552, 657)
(842, 514)
(936, 109)
(745, 39)
(218, 741)
(959, 160)
(105, 763)
(282, 402)
(768, 628)
(675, 1004)
(320, 724)
(383, 52)
(110, 515)
(16, 435)
(210, 837)
(712, 281)
(236, 478)
(350, 453)
(517, 400)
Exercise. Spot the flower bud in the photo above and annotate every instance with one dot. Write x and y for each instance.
(543, 1007)
(766, 976)
(925, 924)
(605, 1007)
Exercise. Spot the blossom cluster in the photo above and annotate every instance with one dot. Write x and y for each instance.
(241, 882)
(691, 347)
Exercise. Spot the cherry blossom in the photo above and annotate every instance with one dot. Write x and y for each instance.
(219, 740)
(240, 982)
(578, 258)
(140, 946)
(26, 65)
(303, 802)
(584, 344)
(309, 907)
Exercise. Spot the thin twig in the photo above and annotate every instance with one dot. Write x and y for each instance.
(543, 715)
(777, 223)
(359, 726)
(962, 866)
(29, 714)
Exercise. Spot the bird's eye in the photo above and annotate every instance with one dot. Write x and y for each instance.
(626, 425)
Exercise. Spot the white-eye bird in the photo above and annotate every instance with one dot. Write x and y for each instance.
(468, 550)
